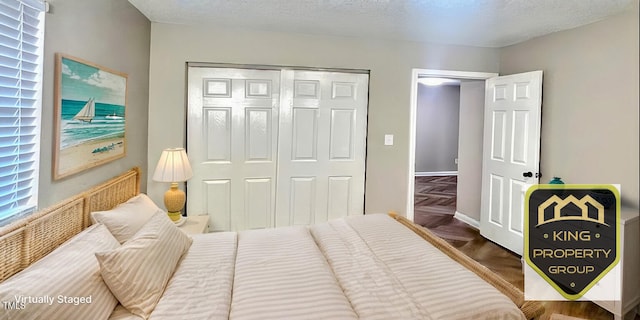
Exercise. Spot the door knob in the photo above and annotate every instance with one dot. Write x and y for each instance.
(527, 174)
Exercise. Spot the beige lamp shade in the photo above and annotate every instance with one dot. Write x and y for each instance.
(173, 167)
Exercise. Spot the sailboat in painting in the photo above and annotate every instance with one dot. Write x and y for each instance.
(88, 112)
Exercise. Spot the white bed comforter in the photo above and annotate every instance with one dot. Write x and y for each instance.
(281, 274)
(366, 267)
(419, 280)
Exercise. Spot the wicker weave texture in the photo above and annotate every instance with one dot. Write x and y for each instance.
(49, 231)
(31, 238)
(11, 255)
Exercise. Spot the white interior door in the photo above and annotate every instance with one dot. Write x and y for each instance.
(232, 134)
(321, 157)
(511, 152)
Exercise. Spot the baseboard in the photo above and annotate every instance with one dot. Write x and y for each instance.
(466, 219)
(436, 173)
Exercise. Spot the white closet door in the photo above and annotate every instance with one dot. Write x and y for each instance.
(232, 144)
(322, 143)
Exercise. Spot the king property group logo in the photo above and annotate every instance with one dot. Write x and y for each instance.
(572, 235)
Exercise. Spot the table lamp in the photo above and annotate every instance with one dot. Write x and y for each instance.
(173, 167)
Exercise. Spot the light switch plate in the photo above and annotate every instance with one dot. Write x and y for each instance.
(388, 139)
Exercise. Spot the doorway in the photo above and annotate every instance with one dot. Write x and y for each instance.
(437, 130)
(417, 74)
(510, 152)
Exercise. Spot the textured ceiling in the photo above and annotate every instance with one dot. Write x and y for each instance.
(484, 23)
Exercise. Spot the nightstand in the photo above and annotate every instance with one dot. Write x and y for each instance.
(195, 224)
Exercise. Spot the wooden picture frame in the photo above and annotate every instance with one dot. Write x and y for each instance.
(90, 115)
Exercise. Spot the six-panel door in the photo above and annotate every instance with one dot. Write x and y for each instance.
(511, 150)
(232, 136)
(321, 147)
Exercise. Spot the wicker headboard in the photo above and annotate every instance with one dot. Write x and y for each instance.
(26, 241)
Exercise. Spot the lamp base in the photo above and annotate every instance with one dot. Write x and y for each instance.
(174, 200)
(174, 216)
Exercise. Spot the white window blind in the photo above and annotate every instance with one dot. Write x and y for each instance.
(21, 41)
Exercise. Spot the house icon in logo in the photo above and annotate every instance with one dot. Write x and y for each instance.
(582, 204)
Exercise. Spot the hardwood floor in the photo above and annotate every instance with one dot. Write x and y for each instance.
(434, 195)
(435, 202)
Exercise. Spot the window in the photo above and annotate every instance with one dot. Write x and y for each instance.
(21, 41)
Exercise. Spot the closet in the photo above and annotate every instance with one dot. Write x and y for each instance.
(275, 147)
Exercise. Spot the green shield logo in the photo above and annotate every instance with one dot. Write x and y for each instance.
(572, 234)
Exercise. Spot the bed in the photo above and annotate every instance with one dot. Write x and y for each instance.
(78, 259)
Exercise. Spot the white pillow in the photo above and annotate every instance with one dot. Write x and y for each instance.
(127, 218)
(67, 281)
(139, 270)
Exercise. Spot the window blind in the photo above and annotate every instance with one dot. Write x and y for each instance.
(21, 42)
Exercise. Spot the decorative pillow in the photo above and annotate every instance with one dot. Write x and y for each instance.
(139, 270)
(127, 218)
(65, 284)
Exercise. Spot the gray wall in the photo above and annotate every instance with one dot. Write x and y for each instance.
(113, 34)
(590, 101)
(437, 117)
(470, 148)
(390, 63)
(591, 81)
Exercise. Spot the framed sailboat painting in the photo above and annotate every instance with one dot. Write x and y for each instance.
(90, 111)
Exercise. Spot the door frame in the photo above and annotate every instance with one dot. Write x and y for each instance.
(415, 74)
(270, 67)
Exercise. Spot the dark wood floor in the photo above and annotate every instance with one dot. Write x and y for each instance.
(435, 201)
(434, 195)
